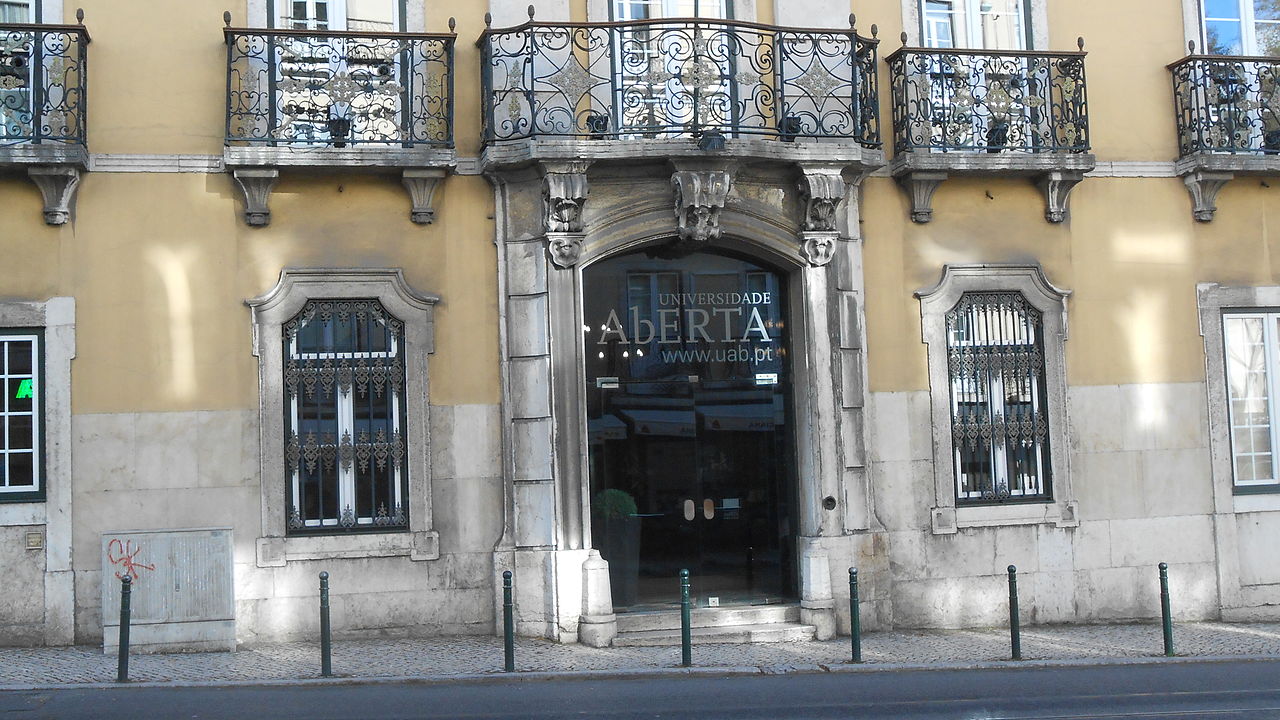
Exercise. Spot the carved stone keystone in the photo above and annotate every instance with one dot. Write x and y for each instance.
(920, 187)
(700, 196)
(58, 185)
(1057, 187)
(1204, 188)
(255, 186)
(421, 184)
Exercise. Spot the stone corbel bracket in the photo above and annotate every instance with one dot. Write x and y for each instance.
(58, 185)
(564, 197)
(255, 189)
(1204, 188)
(920, 187)
(1055, 174)
(1057, 187)
(700, 195)
(421, 183)
(822, 189)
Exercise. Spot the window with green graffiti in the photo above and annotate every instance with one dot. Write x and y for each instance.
(20, 426)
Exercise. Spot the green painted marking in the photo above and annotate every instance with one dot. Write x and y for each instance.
(24, 390)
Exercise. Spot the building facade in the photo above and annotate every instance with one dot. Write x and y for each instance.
(601, 290)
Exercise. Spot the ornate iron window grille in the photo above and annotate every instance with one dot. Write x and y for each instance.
(999, 418)
(43, 80)
(988, 101)
(330, 88)
(344, 378)
(662, 78)
(1227, 104)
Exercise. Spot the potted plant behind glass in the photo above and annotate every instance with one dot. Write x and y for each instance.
(618, 540)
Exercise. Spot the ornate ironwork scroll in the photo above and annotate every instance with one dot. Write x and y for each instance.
(1227, 104)
(672, 77)
(42, 83)
(984, 101)
(344, 379)
(339, 88)
(999, 419)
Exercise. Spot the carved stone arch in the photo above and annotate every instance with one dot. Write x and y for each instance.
(742, 232)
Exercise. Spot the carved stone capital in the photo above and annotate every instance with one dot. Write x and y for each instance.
(821, 189)
(920, 187)
(421, 185)
(1204, 188)
(819, 246)
(700, 196)
(564, 248)
(58, 185)
(255, 187)
(1057, 187)
(564, 193)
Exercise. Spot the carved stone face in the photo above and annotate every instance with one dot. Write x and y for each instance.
(819, 250)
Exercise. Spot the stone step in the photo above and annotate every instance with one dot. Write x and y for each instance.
(709, 617)
(763, 633)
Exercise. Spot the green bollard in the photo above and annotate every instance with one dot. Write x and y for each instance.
(122, 652)
(855, 617)
(1164, 609)
(686, 638)
(508, 625)
(326, 640)
(1015, 631)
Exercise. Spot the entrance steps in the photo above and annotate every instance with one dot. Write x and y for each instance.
(734, 624)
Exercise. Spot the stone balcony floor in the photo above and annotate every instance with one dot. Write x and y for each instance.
(440, 658)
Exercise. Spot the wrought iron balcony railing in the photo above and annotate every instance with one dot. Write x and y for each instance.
(309, 88)
(42, 84)
(667, 78)
(1227, 104)
(989, 101)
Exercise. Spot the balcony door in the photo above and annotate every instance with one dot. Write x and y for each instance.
(974, 24)
(335, 91)
(16, 61)
(1241, 27)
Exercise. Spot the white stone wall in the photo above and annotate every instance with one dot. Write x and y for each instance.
(200, 469)
(1139, 463)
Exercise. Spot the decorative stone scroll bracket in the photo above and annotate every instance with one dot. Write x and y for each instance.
(1204, 188)
(421, 185)
(700, 195)
(822, 188)
(564, 195)
(920, 187)
(255, 188)
(58, 185)
(1057, 187)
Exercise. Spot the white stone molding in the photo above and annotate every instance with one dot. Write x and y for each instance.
(270, 311)
(1057, 187)
(57, 317)
(935, 302)
(421, 184)
(1204, 188)
(564, 194)
(58, 185)
(920, 187)
(154, 163)
(255, 189)
(1191, 22)
(1039, 20)
(700, 195)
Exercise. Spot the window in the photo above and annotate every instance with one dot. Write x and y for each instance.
(1250, 345)
(999, 429)
(1241, 27)
(974, 24)
(21, 357)
(996, 339)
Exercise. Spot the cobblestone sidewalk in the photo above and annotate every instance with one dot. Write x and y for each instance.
(446, 657)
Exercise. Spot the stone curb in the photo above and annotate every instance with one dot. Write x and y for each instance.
(496, 677)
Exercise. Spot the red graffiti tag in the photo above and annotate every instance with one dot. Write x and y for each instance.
(123, 554)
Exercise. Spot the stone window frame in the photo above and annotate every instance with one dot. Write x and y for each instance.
(269, 312)
(1051, 301)
(1037, 15)
(1213, 301)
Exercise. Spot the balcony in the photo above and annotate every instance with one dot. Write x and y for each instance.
(338, 101)
(1228, 115)
(678, 88)
(42, 110)
(989, 113)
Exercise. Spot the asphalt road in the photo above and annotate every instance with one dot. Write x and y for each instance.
(1202, 691)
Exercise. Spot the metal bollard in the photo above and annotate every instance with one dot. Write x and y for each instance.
(1164, 609)
(508, 625)
(855, 617)
(1015, 630)
(326, 640)
(686, 638)
(122, 652)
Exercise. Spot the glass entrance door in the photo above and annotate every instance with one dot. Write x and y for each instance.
(690, 429)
